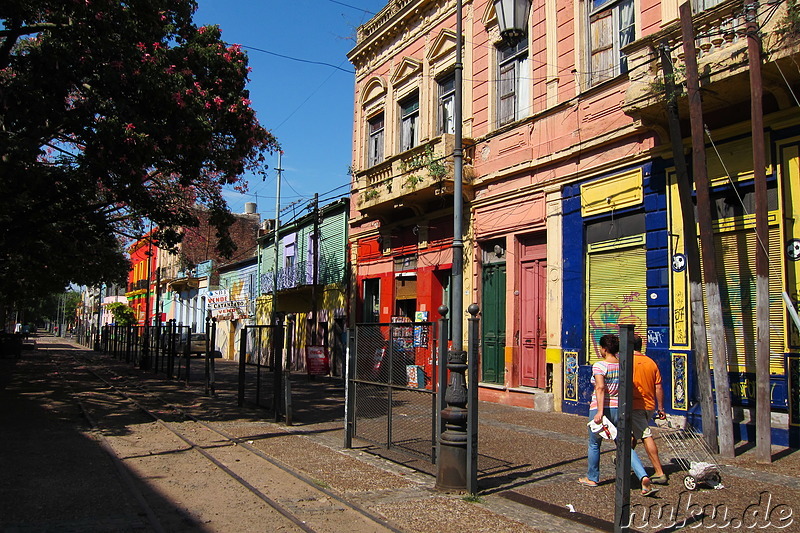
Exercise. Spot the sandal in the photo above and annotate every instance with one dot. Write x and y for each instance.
(586, 482)
(649, 491)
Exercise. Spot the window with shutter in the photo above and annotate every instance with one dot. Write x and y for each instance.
(512, 83)
(447, 91)
(611, 27)
(409, 127)
(701, 5)
(375, 141)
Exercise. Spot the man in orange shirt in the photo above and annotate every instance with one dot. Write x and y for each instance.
(648, 398)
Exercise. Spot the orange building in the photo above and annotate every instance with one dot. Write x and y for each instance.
(140, 293)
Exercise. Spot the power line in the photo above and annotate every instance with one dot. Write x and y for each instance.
(298, 59)
(352, 7)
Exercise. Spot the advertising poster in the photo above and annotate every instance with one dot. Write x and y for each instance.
(317, 362)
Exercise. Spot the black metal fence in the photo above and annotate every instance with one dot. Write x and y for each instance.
(392, 398)
(163, 349)
(260, 361)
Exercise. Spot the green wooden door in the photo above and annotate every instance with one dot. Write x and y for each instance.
(493, 321)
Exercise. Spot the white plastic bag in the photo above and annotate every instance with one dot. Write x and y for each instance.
(605, 429)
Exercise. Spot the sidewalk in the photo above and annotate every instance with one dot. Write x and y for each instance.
(57, 479)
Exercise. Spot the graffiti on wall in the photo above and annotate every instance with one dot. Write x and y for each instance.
(628, 308)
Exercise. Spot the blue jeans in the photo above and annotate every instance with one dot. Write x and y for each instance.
(593, 473)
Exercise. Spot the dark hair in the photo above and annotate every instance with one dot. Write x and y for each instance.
(610, 343)
(637, 343)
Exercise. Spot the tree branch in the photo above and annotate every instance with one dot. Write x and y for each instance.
(12, 34)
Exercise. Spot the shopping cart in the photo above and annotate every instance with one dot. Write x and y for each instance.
(691, 452)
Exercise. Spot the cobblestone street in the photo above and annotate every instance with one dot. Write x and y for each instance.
(127, 474)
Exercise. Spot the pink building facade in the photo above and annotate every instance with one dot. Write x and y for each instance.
(572, 225)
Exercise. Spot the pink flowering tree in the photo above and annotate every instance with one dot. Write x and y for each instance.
(114, 114)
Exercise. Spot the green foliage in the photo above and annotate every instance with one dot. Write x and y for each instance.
(123, 315)
(413, 180)
(426, 160)
(472, 498)
(47, 307)
(678, 78)
(114, 115)
(790, 24)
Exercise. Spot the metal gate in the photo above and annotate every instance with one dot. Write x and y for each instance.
(392, 398)
(260, 370)
(161, 348)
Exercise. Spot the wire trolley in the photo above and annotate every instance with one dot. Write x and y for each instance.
(693, 455)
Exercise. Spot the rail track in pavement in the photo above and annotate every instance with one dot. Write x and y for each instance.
(293, 501)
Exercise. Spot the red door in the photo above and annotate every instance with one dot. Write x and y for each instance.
(533, 319)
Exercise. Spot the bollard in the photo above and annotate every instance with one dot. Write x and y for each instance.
(473, 338)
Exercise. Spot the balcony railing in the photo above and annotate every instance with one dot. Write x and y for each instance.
(412, 178)
(301, 274)
(384, 16)
(137, 285)
(722, 57)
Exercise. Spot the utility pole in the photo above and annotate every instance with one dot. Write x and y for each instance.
(278, 171)
(711, 283)
(763, 416)
(315, 271)
(690, 248)
(277, 358)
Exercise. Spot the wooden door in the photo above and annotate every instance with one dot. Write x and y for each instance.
(493, 323)
(533, 368)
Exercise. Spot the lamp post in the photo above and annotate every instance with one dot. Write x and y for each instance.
(512, 17)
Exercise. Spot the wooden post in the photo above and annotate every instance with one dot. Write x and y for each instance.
(713, 299)
(699, 339)
(763, 416)
(622, 486)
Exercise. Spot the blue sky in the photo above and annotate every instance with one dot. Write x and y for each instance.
(308, 107)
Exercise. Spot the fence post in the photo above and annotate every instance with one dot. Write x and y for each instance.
(128, 335)
(349, 391)
(187, 356)
(207, 357)
(242, 361)
(473, 339)
(390, 389)
(287, 382)
(277, 367)
(441, 370)
(145, 343)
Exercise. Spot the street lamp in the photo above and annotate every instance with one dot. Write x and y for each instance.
(512, 17)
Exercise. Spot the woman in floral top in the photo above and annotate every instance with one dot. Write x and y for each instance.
(605, 402)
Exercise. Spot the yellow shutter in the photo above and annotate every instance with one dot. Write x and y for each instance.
(736, 268)
(617, 294)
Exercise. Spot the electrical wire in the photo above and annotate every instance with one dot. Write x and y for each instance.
(292, 58)
(352, 7)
